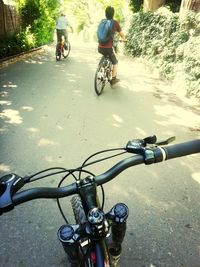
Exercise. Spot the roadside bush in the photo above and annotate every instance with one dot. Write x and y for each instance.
(191, 65)
(19, 42)
(43, 31)
(168, 41)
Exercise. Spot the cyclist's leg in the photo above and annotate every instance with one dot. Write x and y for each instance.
(59, 35)
(57, 32)
(65, 34)
(106, 52)
(103, 52)
(114, 61)
(109, 52)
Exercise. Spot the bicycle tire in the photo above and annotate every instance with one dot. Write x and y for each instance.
(80, 218)
(99, 80)
(66, 51)
(58, 55)
(78, 211)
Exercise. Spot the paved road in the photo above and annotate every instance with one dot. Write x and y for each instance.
(50, 116)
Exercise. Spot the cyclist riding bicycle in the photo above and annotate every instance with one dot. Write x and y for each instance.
(106, 49)
(62, 24)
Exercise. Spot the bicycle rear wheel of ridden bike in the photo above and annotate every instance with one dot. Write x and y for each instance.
(80, 218)
(58, 55)
(66, 50)
(100, 79)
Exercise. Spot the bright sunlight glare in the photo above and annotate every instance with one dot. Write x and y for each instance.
(11, 116)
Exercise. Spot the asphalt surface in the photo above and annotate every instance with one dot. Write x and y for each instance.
(50, 116)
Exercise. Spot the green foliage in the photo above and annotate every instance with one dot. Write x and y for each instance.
(168, 41)
(21, 41)
(150, 32)
(86, 14)
(191, 64)
(38, 24)
(29, 11)
(136, 5)
(40, 16)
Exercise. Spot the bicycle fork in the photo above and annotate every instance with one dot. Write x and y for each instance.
(118, 215)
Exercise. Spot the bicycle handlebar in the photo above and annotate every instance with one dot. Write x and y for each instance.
(72, 189)
(182, 149)
(159, 154)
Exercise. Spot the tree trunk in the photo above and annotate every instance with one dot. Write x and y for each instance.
(152, 5)
(190, 5)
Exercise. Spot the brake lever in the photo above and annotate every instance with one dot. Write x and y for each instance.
(9, 185)
(140, 147)
(137, 145)
(165, 142)
(150, 140)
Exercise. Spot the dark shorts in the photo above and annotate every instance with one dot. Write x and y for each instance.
(108, 52)
(60, 33)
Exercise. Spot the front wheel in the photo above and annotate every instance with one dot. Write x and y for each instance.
(78, 211)
(100, 79)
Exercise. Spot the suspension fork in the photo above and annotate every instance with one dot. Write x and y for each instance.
(117, 216)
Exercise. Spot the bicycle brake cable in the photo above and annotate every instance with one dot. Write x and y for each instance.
(29, 178)
(99, 160)
(57, 199)
(61, 181)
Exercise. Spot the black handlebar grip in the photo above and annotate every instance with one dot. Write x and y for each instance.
(182, 149)
(9, 185)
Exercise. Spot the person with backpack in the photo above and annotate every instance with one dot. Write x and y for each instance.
(105, 34)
